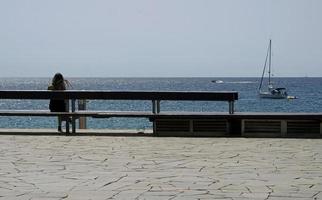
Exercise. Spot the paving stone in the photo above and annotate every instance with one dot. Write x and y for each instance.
(96, 167)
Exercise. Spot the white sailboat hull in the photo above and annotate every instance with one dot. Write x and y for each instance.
(269, 95)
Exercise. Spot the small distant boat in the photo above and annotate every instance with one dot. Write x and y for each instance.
(217, 81)
(291, 97)
(271, 92)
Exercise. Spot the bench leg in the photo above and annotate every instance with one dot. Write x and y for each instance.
(73, 125)
(155, 128)
(67, 127)
(231, 107)
(73, 118)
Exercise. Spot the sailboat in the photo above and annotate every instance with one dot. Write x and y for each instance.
(271, 92)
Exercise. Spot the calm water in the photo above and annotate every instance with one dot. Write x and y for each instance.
(308, 91)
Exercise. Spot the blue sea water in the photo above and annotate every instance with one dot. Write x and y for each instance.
(307, 90)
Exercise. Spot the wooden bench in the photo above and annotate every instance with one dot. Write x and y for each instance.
(72, 95)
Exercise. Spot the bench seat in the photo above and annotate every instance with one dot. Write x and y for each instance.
(165, 114)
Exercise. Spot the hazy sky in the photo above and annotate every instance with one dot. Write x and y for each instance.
(121, 38)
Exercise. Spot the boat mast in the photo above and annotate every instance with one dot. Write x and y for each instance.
(269, 62)
(265, 64)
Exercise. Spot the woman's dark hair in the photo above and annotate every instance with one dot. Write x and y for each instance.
(59, 82)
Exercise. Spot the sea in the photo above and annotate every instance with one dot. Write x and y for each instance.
(307, 90)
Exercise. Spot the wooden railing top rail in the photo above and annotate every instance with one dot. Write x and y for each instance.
(121, 95)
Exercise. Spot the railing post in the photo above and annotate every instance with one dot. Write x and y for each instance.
(231, 107)
(158, 106)
(155, 110)
(82, 120)
(73, 118)
(153, 107)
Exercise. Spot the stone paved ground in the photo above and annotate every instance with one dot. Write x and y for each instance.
(100, 167)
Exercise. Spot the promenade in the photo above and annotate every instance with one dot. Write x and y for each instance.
(144, 167)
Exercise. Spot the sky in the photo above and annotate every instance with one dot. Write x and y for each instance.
(159, 38)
